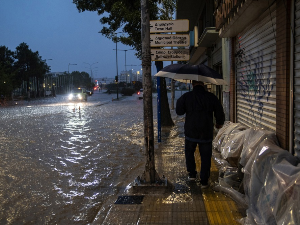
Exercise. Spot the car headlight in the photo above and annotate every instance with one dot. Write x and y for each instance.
(79, 96)
(71, 96)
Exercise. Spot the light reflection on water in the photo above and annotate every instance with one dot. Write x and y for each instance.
(60, 164)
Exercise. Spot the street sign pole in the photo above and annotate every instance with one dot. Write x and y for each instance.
(158, 54)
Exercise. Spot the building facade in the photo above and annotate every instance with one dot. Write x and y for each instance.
(255, 45)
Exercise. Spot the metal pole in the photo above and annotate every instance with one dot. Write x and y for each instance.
(125, 60)
(158, 110)
(117, 66)
(172, 89)
(125, 67)
(159, 66)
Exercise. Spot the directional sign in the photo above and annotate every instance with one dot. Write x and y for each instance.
(170, 54)
(168, 40)
(167, 26)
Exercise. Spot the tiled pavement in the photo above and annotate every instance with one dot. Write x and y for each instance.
(186, 203)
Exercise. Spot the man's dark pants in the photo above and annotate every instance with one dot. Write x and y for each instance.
(205, 153)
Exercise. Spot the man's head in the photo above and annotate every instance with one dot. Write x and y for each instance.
(195, 83)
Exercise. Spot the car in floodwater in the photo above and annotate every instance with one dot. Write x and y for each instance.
(89, 93)
(78, 94)
(140, 93)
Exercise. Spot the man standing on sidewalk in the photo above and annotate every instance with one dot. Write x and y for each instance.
(199, 106)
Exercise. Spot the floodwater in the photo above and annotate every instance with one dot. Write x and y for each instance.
(64, 163)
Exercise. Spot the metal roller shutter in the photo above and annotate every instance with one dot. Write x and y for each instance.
(297, 79)
(256, 72)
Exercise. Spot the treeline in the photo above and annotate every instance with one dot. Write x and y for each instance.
(24, 73)
(18, 67)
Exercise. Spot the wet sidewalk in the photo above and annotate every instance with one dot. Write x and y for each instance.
(185, 203)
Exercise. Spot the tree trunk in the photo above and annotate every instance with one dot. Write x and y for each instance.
(150, 172)
(38, 87)
(166, 119)
(28, 89)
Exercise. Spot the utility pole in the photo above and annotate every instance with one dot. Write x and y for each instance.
(117, 66)
(125, 59)
(150, 173)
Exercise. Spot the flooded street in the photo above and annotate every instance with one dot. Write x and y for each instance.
(61, 162)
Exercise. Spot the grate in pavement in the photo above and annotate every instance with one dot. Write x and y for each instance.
(133, 199)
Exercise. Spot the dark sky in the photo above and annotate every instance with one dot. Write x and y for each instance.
(59, 32)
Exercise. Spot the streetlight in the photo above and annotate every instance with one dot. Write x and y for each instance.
(116, 38)
(46, 60)
(91, 67)
(91, 76)
(125, 58)
(125, 54)
(70, 65)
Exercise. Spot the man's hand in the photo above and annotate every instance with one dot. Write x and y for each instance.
(219, 126)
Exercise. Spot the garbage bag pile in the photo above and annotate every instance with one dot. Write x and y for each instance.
(258, 174)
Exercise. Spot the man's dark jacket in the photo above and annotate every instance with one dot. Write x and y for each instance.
(200, 106)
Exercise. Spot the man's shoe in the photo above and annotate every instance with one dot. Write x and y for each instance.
(191, 178)
(204, 186)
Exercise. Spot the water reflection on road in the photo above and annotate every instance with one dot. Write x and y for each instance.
(61, 162)
(64, 163)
